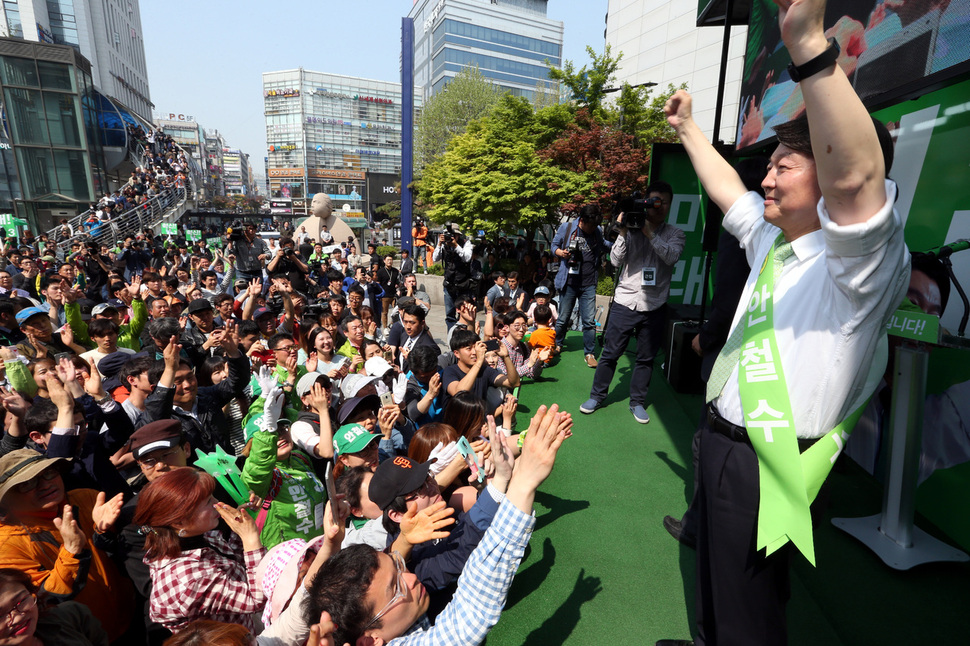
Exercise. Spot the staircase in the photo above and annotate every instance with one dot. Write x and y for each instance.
(167, 206)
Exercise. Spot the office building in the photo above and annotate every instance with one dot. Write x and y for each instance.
(661, 43)
(235, 172)
(325, 132)
(52, 150)
(106, 32)
(510, 41)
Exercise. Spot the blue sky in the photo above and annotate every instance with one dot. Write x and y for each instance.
(205, 57)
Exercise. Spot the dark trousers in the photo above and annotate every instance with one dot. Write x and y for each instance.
(622, 324)
(741, 594)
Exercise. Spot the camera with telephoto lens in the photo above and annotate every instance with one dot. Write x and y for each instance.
(635, 207)
(449, 234)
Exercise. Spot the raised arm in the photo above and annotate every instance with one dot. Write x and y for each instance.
(720, 180)
(848, 158)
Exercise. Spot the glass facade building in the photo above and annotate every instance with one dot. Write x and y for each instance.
(324, 132)
(51, 147)
(511, 42)
(106, 32)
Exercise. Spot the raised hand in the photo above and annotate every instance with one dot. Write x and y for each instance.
(428, 524)
(13, 402)
(105, 514)
(134, 287)
(72, 537)
(678, 109)
(540, 447)
(501, 456)
(241, 523)
(802, 27)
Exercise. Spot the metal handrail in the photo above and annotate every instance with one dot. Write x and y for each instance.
(121, 222)
(132, 221)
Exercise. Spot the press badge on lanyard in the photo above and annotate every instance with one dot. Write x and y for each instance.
(648, 277)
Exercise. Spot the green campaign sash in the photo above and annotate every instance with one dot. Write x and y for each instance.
(789, 480)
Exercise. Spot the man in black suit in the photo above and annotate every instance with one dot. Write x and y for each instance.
(407, 264)
(415, 333)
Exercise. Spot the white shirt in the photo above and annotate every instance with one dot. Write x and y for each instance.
(830, 312)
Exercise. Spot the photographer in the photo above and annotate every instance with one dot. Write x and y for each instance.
(648, 255)
(250, 251)
(287, 263)
(95, 267)
(579, 245)
(455, 251)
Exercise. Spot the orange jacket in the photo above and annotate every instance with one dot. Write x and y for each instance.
(92, 579)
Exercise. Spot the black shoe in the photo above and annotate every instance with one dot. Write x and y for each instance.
(675, 642)
(676, 529)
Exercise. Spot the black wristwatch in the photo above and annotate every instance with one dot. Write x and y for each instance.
(824, 60)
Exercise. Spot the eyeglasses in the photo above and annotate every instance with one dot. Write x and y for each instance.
(400, 588)
(151, 463)
(22, 607)
(427, 489)
(46, 475)
(287, 348)
(519, 326)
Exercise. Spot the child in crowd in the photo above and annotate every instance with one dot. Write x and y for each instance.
(544, 336)
(541, 297)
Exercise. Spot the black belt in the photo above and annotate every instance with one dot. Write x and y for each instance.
(737, 433)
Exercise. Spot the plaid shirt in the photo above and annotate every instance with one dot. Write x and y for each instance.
(216, 583)
(482, 587)
(519, 353)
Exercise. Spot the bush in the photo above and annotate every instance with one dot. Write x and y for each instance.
(437, 269)
(605, 286)
(383, 250)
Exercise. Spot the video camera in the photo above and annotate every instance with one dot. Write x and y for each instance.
(634, 209)
(234, 232)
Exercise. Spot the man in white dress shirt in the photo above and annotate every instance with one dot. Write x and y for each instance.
(808, 342)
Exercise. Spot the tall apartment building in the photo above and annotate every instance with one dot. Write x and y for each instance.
(107, 33)
(235, 172)
(661, 43)
(508, 40)
(325, 132)
(212, 176)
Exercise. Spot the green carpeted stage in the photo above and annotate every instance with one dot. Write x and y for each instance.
(602, 569)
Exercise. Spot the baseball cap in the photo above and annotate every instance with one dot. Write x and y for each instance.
(261, 311)
(163, 434)
(199, 305)
(305, 384)
(22, 465)
(541, 289)
(352, 384)
(28, 312)
(351, 438)
(352, 405)
(396, 477)
(101, 308)
(377, 366)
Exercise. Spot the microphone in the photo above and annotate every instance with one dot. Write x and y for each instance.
(949, 249)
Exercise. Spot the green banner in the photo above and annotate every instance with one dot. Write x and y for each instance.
(169, 229)
(914, 325)
(11, 224)
(193, 234)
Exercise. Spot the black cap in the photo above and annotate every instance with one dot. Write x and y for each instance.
(163, 434)
(396, 477)
(372, 402)
(199, 305)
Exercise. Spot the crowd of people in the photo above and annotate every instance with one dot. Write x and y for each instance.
(205, 440)
(244, 443)
(164, 166)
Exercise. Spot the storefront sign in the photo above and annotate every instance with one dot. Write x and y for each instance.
(288, 92)
(285, 172)
(330, 95)
(434, 15)
(337, 174)
(278, 147)
(374, 99)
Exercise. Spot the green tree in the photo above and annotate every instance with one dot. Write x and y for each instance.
(466, 97)
(587, 84)
(493, 178)
(642, 117)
